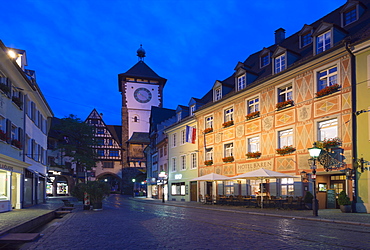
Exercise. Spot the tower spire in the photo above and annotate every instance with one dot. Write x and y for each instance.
(141, 53)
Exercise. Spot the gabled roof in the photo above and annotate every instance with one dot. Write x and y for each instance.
(142, 70)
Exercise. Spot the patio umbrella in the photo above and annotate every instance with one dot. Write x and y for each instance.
(211, 177)
(262, 174)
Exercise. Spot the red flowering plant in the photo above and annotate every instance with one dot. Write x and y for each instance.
(208, 130)
(285, 150)
(227, 124)
(328, 90)
(283, 104)
(16, 143)
(332, 142)
(3, 136)
(253, 154)
(228, 159)
(253, 115)
(208, 162)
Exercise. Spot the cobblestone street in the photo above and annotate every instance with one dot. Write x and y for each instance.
(130, 224)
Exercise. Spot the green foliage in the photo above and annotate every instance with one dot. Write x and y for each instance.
(308, 197)
(78, 191)
(76, 140)
(343, 199)
(97, 191)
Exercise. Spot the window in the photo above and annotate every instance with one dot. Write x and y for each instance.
(328, 129)
(113, 153)
(209, 154)
(217, 94)
(183, 136)
(287, 186)
(2, 124)
(209, 122)
(165, 150)
(110, 142)
(183, 162)
(100, 131)
(254, 144)
(327, 77)
(173, 161)
(229, 114)
(193, 158)
(192, 110)
(241, 82)
(265, 60)
(285, 138)
(100, 141)
(174, 140)
(323, 42)
(160, 152)
(349, 16)
(253, 105)
(135, 119)
(14, 134)
(100, 152)
(228, 149)
(108, 164)
(179, 116)
(178, 188)
(306, 39)
(279, 63)
(285, 93)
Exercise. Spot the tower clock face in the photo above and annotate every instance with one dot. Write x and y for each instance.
(142, 95)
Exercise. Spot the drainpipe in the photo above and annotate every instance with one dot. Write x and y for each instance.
(354, 126)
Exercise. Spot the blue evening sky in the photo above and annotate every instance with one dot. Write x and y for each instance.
(78, 47)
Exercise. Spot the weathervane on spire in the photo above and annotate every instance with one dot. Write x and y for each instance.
(141, 53)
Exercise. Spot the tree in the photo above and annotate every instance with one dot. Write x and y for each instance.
(76, 140)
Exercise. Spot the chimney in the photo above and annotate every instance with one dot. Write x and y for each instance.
(279, 35)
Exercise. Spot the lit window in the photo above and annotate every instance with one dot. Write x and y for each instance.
(253, 105)
(183, 136)
(173, 164)
(328, 129)
(285, 138)
(327, 77)
(349, 16)
(209, 122)
(193, 162)
(241, 82)
(254, 144)
(100, 131)
(279, 63)
(265, 60)
(179, 116)
(113, 153)
(323, 42)
(100, 152)
(229, 114)
(183, 162)
(229, 148)
(287, 186)
(192, 109)
(306, 39)
(209, 154)
(285, 93)
(218, 94)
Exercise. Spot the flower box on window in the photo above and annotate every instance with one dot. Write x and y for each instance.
(328, 90)
(332, 142)
(253, 115)
(284, 104)
(16, 143)
(285, 150)
(228, 159)
(4, 88)
(3, 136)
(208, 162)
(253, 155)
(208, 130)
(228, 124)
(17, 101)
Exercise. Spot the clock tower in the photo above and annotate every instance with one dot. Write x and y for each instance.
(141, 88)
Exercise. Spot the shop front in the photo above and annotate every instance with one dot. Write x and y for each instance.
(11, 171)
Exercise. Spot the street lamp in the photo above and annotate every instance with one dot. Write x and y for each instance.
(314, 153)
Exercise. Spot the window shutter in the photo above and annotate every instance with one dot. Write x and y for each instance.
(8, 130)
(25, 104)
(8, 83)
(32, 148)
(21, 136)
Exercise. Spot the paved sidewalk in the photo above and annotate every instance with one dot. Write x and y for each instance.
(325, 215)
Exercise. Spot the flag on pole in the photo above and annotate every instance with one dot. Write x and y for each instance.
(190, 134)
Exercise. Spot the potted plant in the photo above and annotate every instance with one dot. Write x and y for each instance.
(16, 143)
(97, 192)
(327, 90)
(284, 104)
(285, 150)
(332, 142)
(253, 155)
(227, 124)
(344, 202)
(208, 130)
(308, 200)
(208, 162)
(228, 159)
(3, 136)
(252, 115)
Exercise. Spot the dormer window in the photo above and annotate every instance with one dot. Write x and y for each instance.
(217, 94)
(351, 12)
(306, 39)
(323, 42)
(280, 63)
(241, 82)
(349, 16)
(265, 60)
(179, 116)
(192, 110)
